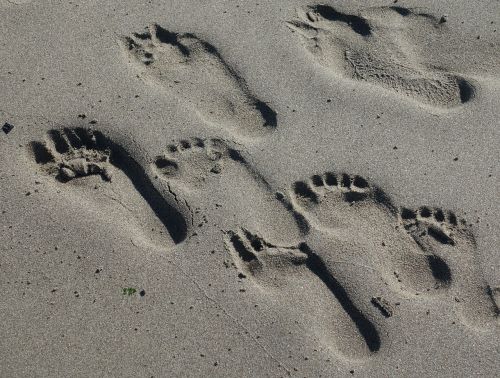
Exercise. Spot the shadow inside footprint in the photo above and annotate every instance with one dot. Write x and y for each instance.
(377, 46)
(173, 220)
(270, 265)
(440, 270)
(357, 24)
(202, 78)
(365, 326)
(79, 152)
(428, 250)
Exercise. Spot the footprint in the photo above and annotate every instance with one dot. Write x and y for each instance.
(453, 256)
(92, 166)
(194, 71)
(299, 280)
(375, 46)
(214, 175)
(426, 251)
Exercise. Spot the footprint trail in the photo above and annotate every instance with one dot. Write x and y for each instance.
(427, 251)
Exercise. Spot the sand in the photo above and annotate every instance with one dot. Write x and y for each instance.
(249, 189)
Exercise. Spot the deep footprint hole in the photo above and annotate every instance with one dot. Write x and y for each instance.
(360, 182)
(440, 270)
(303, 190)
(401, 11)
(466, 90)
(354, 196)
(408, 214)
(170, 38)
(452, 218)
(73, 138)
(331, 179)
(439, 215)
(317, 180)
(440, 236)
(41, 153)
(240, 248)
(346, 181)
(236, 156)
(425, 212)
(357, 24)
(166, 164)
(59, 143)
(269, 115)
(255, 242)
(383, 199)
(144, 36)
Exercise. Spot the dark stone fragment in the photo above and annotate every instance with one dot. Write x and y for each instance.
(7, 127)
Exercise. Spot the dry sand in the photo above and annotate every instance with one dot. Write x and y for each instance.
(234, 188)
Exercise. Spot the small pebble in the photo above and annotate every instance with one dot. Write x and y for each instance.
(7, 128)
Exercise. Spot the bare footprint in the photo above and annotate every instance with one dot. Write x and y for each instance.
(448, 239)
(193, 70)
(298, 279)
(426, 251)
(375, 46)
(214, 175)
(91, 166)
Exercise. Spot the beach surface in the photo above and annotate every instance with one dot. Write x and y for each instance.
(250, 189)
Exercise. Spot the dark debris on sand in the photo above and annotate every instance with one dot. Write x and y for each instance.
(7, 127)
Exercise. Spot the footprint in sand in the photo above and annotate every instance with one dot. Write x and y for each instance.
(267, 244)
(424, 251)
(194, 71)
(360, 255)
(237, 194)
(93, 167)
(375, 46)
(299, 273)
